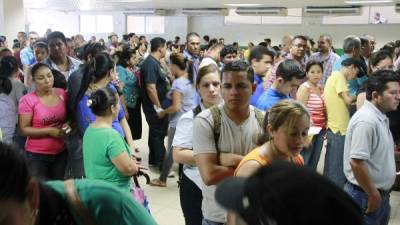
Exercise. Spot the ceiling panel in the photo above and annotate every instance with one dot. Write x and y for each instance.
(73, 5)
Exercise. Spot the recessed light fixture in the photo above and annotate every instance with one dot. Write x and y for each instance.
(368, 2)
(243, 5)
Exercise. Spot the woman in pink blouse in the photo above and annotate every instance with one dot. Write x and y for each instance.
(42, 118)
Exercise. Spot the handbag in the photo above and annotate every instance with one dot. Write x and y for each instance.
(138, 192)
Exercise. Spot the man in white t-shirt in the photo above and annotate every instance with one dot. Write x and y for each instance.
(369, 163)
(239, 130)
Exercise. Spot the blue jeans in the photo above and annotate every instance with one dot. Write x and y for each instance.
(209, 222)
(312, 154)
(380, 217)
(333, 168)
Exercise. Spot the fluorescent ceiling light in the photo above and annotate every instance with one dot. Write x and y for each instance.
(243, 5)
(368, 2)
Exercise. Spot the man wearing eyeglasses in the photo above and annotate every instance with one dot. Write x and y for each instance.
(297, 51)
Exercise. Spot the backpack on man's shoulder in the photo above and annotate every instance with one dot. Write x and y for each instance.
(216, 115)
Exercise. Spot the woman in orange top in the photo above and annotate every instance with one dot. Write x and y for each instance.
(286, 133)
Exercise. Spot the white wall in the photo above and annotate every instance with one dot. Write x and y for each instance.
(68, 22)
(2, 29)
(215, 27)
(13, 19)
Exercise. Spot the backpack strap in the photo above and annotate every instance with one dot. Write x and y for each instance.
(196, 111)
(216, 115)
(74, 200)
(260, 117)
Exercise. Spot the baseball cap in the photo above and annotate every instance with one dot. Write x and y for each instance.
(286, 194)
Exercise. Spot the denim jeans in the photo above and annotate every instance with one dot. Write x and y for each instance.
(312, 154)
(168, 160)
(48, 167)
(191, 198)
(333, 168)
(209, 222)
(381, 216)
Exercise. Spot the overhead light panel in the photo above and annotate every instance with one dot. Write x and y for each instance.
(243, 5)
(368, 2)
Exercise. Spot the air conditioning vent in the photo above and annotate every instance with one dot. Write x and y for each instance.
(205, 11)
(157, 12)
(334, 10)
(262, 11)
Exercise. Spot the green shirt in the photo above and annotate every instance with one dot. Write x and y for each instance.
(100, 146)
(107, 204)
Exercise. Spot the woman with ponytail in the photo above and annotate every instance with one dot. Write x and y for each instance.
(106, 155)
(9, 68)
(7, 112)
(286, 127)
(182, 96)
(98, 74)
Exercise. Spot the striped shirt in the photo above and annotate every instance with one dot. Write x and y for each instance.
(316, 106)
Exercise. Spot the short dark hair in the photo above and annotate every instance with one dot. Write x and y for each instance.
(364, 41)
(312, 63)
(228, 49)
(378, 80)
(191, 34)
(156, 43)
(289, 69)
(378, 56)
(125, 37)
(259, 51)
(92, 49)
(302, 37)
(239, 66)
(56, 35)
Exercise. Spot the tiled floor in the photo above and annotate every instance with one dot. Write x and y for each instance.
(164, 202)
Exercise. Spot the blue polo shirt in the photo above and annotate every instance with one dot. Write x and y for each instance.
(269, 98)
(258, 81)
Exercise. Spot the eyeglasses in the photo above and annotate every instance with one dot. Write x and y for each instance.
(300, 46)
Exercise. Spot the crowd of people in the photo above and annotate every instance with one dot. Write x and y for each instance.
(72, 108)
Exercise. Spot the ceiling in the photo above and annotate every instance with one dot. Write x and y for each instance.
(74, 5)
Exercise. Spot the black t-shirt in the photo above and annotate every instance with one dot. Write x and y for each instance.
(152, 74)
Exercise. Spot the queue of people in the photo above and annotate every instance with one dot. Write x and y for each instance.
(77, 114)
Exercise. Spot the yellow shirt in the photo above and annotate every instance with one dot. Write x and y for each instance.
(246, 54)
(338, 113)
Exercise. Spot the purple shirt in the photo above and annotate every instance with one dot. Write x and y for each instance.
(327, 63)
